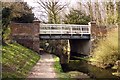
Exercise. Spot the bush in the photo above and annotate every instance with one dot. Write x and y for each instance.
(77, 17)
(107, 50)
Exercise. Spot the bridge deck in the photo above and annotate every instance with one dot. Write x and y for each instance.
(64, 31)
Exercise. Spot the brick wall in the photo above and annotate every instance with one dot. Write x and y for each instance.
(98, 31)
(26, 34)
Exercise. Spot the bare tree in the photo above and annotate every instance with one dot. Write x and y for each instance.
(97, 12)
(53, 9)
(110, 12)
(90, 8)
(118, 12)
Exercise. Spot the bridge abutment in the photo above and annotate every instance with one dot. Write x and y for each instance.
(26, 34)
(80, 47)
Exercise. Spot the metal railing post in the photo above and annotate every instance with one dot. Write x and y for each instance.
(50, 30)
(89, 27)
(81, 31)
(71, 31)
(61, 30)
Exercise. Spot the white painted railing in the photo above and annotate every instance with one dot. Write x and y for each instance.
(64, 29)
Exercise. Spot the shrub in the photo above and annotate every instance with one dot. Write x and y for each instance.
(107, 50)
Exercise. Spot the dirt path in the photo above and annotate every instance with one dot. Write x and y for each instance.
(44, 68)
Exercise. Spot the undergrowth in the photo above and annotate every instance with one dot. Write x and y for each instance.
(107, 50)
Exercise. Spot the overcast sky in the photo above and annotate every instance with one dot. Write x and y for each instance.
(42, 15)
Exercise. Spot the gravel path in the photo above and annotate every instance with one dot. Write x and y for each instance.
(44, 68)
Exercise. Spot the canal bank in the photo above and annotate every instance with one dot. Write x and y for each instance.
(62, 75)
(83, 67)
(90, 70)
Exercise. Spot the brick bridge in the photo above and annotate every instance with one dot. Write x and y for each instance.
(30, 34)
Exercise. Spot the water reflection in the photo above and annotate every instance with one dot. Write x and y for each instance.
(92, 71)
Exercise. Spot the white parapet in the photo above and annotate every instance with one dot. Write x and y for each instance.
(64, 29)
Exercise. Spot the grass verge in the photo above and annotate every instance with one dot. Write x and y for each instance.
(58, 69)
(17, 61)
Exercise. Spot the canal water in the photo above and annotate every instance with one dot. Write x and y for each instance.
(92, 71)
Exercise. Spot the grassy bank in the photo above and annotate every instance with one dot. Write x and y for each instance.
(71, 75)
(17, 61)
(58, 69)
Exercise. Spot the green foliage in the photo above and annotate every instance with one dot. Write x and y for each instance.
(58, 69)
(18, 8)
(57, 65)
(107, 50)
(25, 18)
(17, 61)
(76, 17)
(72, 75)
(6, 35)
(6, 12)
(17, 12)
